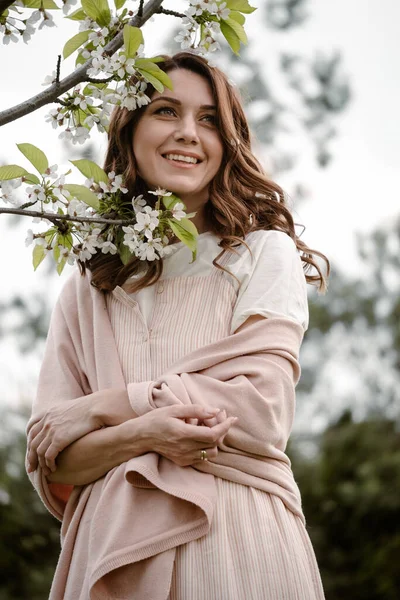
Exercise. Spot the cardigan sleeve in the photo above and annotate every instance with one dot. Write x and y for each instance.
(257, 386)
(272, 281)
(61, 378)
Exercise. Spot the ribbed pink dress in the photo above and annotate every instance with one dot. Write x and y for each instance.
(257, 548)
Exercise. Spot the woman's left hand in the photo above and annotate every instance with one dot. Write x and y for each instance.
(61, 425)
(52, 431)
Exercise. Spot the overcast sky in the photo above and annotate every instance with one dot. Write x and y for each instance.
(355, 193)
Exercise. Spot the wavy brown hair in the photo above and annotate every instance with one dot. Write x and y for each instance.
(241, 196)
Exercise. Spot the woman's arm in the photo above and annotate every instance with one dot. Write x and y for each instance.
(53, 430)
(93, 455)
(167, 431)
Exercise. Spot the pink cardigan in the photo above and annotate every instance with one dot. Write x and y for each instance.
(143, 509)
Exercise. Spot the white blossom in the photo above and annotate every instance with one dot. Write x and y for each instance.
(47, 20)
(76, 208)
(28, 32)
(86, 24)
(130, 238)
(98, 37)
(100, 64)
(55, 117)
(177, 211)
(9, 36)
(49, 79)
(67, 5)
(36, 192)
(160, 192)
(34, 17)
(108, 248)
(138, 203)
(29, 238)
(122, 65)
(147, 221)
(147, 250)
(51, 171)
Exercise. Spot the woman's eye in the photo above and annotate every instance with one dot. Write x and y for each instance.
(210, 119)
(165, 110)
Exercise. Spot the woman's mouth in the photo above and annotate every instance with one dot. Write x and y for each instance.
(180, 160)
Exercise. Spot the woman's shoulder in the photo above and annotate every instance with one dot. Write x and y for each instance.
(270, 239)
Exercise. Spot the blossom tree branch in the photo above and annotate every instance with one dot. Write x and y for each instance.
(78, 76)
(55, 218)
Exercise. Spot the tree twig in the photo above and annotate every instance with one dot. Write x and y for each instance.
(166, 11)
(78, 76)
(54, 218)
(58, 69)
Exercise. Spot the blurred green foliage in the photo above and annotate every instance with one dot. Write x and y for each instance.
(351, 501)
(29, 540)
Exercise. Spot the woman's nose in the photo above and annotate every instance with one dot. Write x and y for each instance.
(186, 131)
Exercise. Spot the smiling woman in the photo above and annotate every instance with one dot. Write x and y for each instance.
(166, 396)
(177, 144)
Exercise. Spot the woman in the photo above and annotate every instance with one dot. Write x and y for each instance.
(167, 394)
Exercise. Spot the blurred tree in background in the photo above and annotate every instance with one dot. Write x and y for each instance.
(348, 464)
(351, 500)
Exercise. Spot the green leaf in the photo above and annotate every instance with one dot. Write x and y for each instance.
(238, 17)
(238, 29)
(133, 37)
(61, 265)
(240, 5)
(90, 169)
(230, 36)
(156, 59)
(150, 67)
(119, 3)
(77, 15)
(186, 231)
(156, 83)
(38, 254)
(124, 253)
(82, 193)
(32, 178)
(80, 60)
(35, 156)
(73, 44)
(47, 4)
(170, 201)
(12, 172)
(98, 10)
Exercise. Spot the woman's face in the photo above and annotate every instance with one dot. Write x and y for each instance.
(179, 126)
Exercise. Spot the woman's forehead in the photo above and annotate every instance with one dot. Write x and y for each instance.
(188, 88)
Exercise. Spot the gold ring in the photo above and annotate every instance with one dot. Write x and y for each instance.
(203, 454)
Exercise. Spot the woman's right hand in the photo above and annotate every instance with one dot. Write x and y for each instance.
(169, 431)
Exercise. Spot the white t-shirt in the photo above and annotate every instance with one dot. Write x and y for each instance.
(272, 282)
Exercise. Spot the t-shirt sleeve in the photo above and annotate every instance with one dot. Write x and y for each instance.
(272, 284)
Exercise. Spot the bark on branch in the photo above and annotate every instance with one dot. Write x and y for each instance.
(54, 218)
(78, 76)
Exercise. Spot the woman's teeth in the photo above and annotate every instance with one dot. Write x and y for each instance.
(181, 158)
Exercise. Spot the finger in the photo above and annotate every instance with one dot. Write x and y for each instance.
(41, 451)
(211, 454)
(210, 436)
(34, 431)
(219, 418)
(196, 411)
(192, 421)
(32, 448)
(50, 457)
(33, 422)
